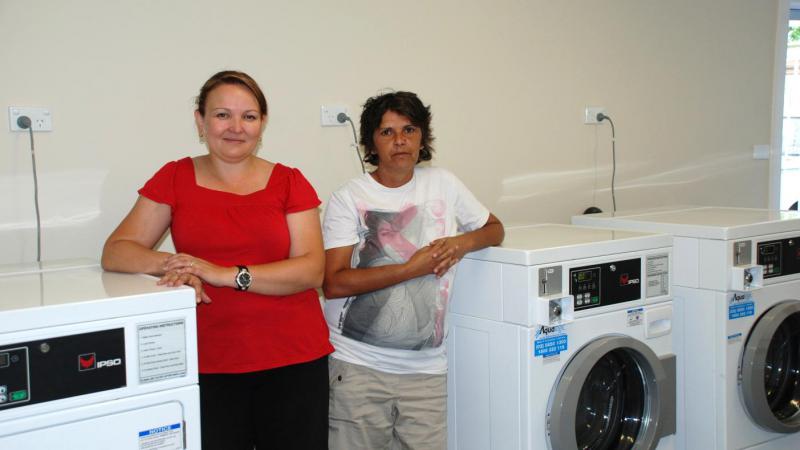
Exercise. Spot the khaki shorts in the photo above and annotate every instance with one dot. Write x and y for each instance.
(373, 410)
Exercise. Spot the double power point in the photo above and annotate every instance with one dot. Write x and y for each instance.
(41, 119)
(590, 114)
(328, 115)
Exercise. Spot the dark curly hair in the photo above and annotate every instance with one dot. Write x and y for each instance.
(404, 103)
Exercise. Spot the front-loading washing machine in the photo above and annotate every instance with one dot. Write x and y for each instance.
(737, 301)
(561, 339)
(93, 360)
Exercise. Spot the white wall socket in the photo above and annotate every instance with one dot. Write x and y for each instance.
(328, 114)
(761, 151)
(590, 114)
(41, 119)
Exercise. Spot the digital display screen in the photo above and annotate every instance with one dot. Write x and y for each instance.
(3, 360)
(767, 249)
(580, 277)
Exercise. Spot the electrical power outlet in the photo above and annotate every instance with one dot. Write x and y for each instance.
(761, 151)
(590, 114)
(328, 115)
(41, 119)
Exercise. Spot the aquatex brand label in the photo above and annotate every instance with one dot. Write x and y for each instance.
(550, 341)
(741, 304)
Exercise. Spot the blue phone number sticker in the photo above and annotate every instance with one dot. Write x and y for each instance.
(739, 310)
(550, 346)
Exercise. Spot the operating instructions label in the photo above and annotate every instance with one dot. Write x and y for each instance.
(168, 437)
(657, 275)
(162, 350)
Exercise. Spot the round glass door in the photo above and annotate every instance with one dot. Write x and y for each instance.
(612, 395)
(771, 369)
(611, 404)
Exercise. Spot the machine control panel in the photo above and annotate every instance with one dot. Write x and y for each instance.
(61, 367)
(606, 284)
(780, 257)
(14, 384)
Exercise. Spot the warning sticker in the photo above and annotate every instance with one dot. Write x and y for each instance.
(740, 305)
(635, 316)
(550, 341)
(657, 275)
(162, 350)
(168, 437)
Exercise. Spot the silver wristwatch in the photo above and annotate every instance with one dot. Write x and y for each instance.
(243, 279)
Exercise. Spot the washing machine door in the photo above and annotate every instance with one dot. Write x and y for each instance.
(614, 393)
(770, 370)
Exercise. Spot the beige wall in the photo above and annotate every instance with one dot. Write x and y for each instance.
(687, 82)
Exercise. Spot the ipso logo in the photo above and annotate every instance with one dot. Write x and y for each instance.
(625, 280)
(88, 361)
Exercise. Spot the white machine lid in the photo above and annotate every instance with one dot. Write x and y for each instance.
(46, 266)
(549, 243)
(76, 291)
(700, 222)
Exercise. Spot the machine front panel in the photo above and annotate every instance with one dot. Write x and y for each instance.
(606, 284)
(167, 420)
(61, 367)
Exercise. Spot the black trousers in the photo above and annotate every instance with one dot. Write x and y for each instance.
(282, 408)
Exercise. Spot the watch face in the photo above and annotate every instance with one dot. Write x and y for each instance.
(243, 278)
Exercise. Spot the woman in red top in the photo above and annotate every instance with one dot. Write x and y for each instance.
(248, 240)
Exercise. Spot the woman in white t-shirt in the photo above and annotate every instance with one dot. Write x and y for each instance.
(391, 239)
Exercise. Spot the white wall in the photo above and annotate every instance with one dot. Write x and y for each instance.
(687, 82)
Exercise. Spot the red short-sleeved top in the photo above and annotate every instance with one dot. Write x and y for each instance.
(243, 331)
